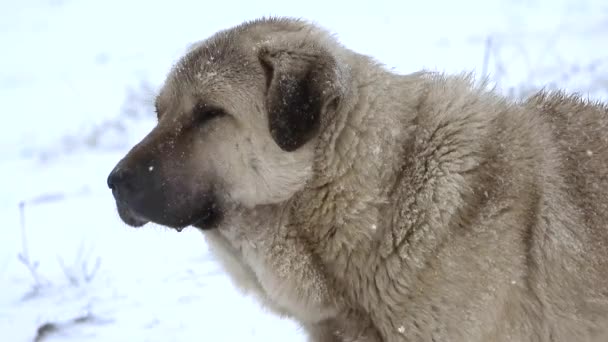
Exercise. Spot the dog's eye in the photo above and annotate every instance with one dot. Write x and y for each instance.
(203, 112)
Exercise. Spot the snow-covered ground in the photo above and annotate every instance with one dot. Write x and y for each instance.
(76, 81)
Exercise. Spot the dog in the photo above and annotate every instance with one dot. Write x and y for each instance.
(372, 206)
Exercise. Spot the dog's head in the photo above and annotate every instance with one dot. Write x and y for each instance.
(238, 121)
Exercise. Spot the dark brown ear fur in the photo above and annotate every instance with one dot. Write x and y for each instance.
(299, 89)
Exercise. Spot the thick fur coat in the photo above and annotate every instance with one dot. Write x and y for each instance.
(371, 206)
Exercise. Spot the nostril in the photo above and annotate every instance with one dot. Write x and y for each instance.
(117, 177)
(112, 179)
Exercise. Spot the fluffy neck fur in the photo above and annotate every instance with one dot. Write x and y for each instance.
(426, 186)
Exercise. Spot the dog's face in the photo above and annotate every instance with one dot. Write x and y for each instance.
(238, 117)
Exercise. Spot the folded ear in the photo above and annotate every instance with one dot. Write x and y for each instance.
(301, 88)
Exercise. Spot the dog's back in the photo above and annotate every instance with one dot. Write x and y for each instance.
(568, 248)
(520, 253)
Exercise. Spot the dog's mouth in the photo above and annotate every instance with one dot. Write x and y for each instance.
(143, 199)
(207, 217)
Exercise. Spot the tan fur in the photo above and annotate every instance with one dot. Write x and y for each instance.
(424, 209)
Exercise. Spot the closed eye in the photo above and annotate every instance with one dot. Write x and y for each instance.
(204, 112)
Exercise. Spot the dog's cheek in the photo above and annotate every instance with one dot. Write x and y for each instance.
(243, 173)
(232, 168)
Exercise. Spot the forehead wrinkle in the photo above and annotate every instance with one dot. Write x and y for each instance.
(221, 67)
(203, 66)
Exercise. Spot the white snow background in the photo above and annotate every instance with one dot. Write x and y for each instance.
(77, 79)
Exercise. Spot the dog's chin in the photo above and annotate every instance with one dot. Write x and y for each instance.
(130, 218)
(207, 219)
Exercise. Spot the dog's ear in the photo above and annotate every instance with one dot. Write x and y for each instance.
(300, 89)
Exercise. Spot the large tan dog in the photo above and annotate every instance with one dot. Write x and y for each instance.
(371, 206)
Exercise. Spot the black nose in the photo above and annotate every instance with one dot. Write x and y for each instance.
(119, 177)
